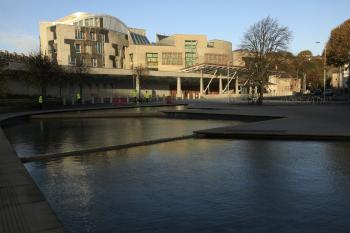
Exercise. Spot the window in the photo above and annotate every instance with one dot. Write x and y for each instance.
(89, 22)
(218, 59)
(92, 36)
(79, 35)
(77, 48)
(83, 61)
(103, 61)
(152, 59)
(99, 47)
(103, 37)
(190, 52)
(97, 22)
(210, 45)
(94, 62)
(71, 60)
(171, 58)
(131, 55)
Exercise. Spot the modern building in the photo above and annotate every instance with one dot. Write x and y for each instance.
(94, 40)
(121, 58)
(103, 41)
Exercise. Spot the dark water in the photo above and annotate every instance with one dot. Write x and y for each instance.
(36, 137)
(203, 185)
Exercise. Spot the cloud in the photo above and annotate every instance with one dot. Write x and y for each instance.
(18, 42)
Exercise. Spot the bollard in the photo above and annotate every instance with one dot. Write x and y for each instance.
(93, 100)
(102, 100)
(110, 99)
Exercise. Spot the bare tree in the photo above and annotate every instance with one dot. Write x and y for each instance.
(138, 72)
(43, 71)
(265, 40)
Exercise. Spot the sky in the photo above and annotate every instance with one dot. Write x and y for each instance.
(309, 20)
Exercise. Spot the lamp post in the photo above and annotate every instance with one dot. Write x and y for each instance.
(324, 70)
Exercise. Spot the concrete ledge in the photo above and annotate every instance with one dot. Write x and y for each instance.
(185, 114)
(275, 135)
(100, 149)
(98, 115)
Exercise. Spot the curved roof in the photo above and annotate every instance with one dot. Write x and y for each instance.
(88, 20)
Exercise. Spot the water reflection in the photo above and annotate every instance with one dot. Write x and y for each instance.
(35, 137)
(203, 186)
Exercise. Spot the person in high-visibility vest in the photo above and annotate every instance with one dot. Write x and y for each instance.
(147, 96)
(134, 95)
(40, 101)
(78, 98)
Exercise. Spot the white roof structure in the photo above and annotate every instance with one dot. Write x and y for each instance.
(93, 20)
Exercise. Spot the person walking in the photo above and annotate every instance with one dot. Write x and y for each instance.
(78, 98)
(40, 101)
(147, 96)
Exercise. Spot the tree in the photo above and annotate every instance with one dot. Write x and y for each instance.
(78, 74)
(338, 46)
(265, 40)
(43, 71)
(138, 72)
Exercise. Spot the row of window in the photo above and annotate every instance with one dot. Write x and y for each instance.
(190, 52)
(168, 58)
(99, 46)
(80, 35)
(212, 58)
(93, 61)
(90, 22)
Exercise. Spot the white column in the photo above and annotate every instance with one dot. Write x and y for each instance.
(220, 84)
(201, 85)
(237, 92)
(178, 88)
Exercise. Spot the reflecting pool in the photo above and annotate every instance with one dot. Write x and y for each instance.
(201, 185)
(32, 137)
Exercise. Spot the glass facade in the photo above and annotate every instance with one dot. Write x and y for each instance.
(190, 52)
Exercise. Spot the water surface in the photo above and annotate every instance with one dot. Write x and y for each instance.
(41, 136)
(201, 185)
